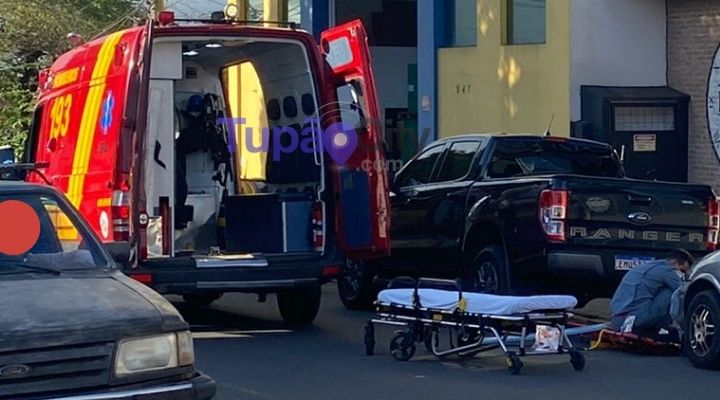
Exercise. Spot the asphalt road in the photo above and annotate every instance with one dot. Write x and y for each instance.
(252, 354)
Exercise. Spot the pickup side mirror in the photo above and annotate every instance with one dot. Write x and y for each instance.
(120, 252)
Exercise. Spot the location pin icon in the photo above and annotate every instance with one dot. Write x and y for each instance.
(340, 141)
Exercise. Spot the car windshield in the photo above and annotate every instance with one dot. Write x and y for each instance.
(41, 234)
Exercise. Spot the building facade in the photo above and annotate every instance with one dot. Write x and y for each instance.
(693, 37)
(633, 73)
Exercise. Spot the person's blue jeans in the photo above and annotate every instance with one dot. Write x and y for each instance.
(653, 317)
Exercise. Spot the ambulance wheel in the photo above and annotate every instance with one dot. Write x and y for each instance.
(201, 299)
(702, 341)
(577, 359)
(514, 364)
(355, 286)
(402, 346)
(299, 306)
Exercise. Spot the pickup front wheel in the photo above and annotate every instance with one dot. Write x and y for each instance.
(488, 272)
(355, 287)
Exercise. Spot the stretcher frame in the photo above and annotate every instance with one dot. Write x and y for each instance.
(423, 324)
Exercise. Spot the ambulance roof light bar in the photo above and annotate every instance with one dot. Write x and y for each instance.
(228, 16)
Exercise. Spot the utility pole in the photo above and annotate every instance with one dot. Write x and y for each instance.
(242, 8)
(275, 10)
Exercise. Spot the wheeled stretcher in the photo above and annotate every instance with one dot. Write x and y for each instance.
(475, 322)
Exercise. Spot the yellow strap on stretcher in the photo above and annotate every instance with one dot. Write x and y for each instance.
(462, 304)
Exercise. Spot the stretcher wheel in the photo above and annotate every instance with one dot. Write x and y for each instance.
(402, 346)
(514, 364)
(369, 339)
(577, 359)
(432, 340)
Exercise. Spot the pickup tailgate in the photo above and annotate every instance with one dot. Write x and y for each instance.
(635, 214)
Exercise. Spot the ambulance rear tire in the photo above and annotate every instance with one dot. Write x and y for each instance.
(299, 306)
(201, 299)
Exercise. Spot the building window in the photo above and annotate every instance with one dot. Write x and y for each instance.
(526, 21)
(461, 23)
(644, 119)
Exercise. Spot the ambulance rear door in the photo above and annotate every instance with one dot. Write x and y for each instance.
(352, 138)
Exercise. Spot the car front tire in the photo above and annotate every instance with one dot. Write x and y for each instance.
(702, 344)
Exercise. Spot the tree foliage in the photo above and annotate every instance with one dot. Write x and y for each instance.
(32, 34)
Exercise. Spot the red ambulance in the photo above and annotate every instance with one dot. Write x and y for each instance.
(198, 151)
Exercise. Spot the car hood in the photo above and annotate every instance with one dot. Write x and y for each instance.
(80, 308)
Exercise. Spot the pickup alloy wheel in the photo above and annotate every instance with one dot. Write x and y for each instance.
(488, 272)
(355, 286)
(701, 341)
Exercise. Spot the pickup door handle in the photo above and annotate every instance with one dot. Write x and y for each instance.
(640, 200)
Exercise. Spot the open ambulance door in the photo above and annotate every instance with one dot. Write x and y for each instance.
(138, 198)
(360, 176)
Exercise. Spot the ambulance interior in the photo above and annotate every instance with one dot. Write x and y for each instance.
(234, 186)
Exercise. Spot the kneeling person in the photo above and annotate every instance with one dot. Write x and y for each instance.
(645, 292)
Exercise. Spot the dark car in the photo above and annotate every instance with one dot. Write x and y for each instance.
(700, 312)
(527, 214)
(72, 326)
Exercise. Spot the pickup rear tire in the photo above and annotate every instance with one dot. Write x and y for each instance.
(356, 289)
(488, 272)
(299, 306)
(201, 299)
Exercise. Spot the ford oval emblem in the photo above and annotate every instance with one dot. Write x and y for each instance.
(640, 218)
(14, 371)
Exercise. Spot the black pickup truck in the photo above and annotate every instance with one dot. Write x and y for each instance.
(530, 214)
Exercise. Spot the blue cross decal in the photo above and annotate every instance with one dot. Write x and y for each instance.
(107, 108)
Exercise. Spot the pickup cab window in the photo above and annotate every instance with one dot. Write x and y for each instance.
(458, 161)
(420, 169)
(542, 157)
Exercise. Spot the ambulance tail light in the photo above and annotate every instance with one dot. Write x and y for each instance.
(553, 212)
(713, 209)
(318, 232)
(120, 215)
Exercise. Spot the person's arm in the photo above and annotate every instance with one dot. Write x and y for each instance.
(671, 279)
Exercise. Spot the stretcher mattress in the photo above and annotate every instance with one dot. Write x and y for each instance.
(478, 303)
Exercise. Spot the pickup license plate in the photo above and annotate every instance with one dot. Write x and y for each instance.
(626, 263)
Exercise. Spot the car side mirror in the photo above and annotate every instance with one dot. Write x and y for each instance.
(120, 252)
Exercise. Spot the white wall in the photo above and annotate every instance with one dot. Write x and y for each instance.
(390, 67)
(616, 43)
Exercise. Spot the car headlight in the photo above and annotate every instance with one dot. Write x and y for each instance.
(152, 353)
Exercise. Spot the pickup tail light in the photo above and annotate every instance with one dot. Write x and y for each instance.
(120, 214)
(713, 209)
(553, 212)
